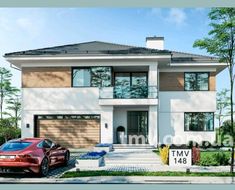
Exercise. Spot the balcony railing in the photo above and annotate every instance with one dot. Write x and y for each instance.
(128, 92)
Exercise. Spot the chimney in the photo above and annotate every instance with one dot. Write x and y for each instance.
(155, 42)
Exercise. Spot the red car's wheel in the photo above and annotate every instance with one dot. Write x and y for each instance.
(66, 158)
(44, 167)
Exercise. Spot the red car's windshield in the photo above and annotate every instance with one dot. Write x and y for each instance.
(14, 146)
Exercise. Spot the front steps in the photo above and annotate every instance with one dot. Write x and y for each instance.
(132, 157)
(132, 146)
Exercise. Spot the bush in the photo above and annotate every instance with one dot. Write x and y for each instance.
(192, 144)
(214, 158)
(205, 144)
(164, 154)
(8, 131)
(177, 146)
(195, 155)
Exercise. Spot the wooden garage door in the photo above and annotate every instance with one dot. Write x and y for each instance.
(71, 133)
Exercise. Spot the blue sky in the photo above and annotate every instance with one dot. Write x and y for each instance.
(22, 29)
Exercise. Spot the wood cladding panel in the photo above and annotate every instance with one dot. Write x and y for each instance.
(212, 81)
(46, 77)
(71, 133)
(171, 81)
(174, 81)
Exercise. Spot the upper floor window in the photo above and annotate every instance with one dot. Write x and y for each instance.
(199, 121)
(131, 85)
(196, 81)
(81, 77)
(91, 76)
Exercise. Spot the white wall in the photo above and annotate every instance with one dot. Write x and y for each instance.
(61, 99)
(38, 101)
(172, 106)
(153, 133)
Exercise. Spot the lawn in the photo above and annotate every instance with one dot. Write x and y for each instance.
(120, 173)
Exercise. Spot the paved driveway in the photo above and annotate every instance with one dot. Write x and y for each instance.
(54, 172)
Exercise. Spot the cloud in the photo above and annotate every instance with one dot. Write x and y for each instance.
(177, 16)
(174, 15)
(32, 27)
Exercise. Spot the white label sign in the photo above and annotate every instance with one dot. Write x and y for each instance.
(180, 157)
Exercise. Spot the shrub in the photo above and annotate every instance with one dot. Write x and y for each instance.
(7, 130)
(164, 154)
(192, 144)
(222, 158)
(214, 158)
(205, 144)
(162, 145)
(178, 146)
(195, 155)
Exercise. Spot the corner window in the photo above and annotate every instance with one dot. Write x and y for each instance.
(199, 121)
(91, 77)
(196, 81)
(101, 76)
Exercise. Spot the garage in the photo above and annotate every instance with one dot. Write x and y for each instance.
(71, 131)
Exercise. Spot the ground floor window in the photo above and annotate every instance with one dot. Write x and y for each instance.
(199, 121)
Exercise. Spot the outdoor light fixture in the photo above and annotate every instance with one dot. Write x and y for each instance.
(27, 125)
(106, 125)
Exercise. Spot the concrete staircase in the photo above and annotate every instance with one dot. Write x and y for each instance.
(132, 157)
(133, 146)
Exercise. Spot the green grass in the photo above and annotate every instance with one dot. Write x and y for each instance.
(157, 152)
(119, 173)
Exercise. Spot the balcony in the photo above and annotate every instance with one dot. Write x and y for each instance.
(128, 95)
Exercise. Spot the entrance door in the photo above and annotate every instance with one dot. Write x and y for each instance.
(137, 127)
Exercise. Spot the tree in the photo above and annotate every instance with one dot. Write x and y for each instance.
(14, 105)
(222, 105)
(7, 130)
(221, 43)
(6, 90)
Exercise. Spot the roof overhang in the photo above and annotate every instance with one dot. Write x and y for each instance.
(219, 66)
(23, 61)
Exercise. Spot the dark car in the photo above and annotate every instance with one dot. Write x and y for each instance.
(35, 155)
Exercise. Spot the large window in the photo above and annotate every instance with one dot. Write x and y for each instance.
(196, 81)
(92, 76)
(199, 121)
(131, 85)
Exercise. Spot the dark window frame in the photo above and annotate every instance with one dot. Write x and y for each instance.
(130, 76)
(199, 130)
(147, 77)
(208, 73)
(73, 68)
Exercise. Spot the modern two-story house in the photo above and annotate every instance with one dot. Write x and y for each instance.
(83, 94)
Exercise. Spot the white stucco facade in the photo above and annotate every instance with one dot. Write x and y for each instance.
(173, 105)
(165, 113)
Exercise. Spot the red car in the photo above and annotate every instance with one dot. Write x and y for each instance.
(35, 155)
